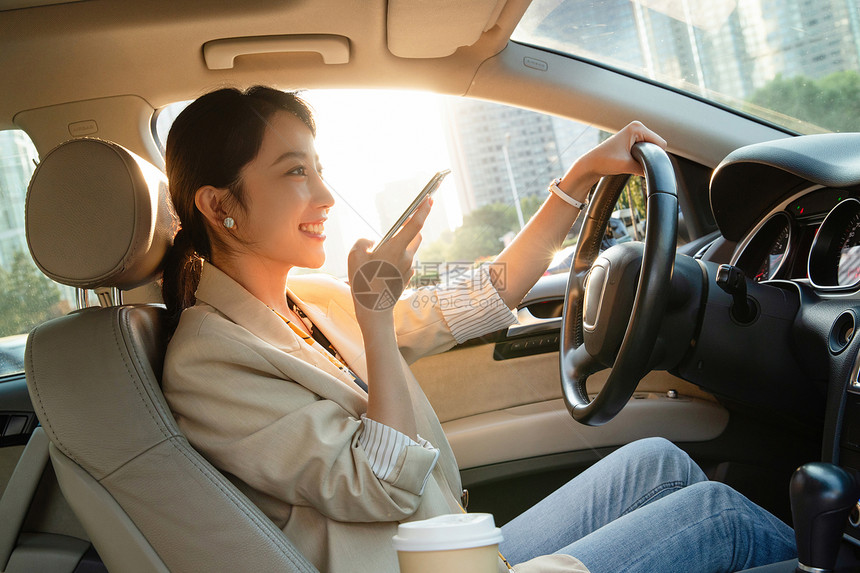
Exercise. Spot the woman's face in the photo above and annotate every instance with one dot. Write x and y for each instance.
(287, 201)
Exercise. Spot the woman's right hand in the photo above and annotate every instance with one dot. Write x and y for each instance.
(378, 279)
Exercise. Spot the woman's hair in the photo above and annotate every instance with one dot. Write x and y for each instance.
(210, 143)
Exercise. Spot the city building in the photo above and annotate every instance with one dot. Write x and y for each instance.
(17, 162)
(498, 151)
(690, 39)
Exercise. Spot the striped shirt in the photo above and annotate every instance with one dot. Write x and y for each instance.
(383, 444)
(471, 306)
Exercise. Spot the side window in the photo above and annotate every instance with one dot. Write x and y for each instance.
(27, 297)
(380, 148)
(503, 160)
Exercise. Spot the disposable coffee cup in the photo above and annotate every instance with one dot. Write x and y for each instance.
(454, 543)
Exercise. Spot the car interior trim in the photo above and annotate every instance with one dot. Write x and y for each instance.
(546, 428)
(525, 380)
(424, 29)
(47, 552)
(526, 467)
(781, 206)
(783, 167)
(853, 385)
(528, 323)
(19, 492)
(577, 88)
(221, 54)
(6, 5)
(118, 118)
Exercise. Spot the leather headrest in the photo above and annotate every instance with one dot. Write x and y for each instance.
(97, 215)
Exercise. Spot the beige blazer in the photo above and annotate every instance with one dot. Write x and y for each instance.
(283, 422)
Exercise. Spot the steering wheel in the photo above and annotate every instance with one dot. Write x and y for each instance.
(604, 322)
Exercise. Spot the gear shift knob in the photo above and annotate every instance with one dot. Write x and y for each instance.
(822, 495)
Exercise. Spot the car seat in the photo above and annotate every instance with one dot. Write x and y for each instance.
(97, 217)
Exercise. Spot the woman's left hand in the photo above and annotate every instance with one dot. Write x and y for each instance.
(528, 256)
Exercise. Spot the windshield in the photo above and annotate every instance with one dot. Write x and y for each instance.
(791, 62)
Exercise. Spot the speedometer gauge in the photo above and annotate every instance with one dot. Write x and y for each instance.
(772, 261)
(848, 267)
(765, 252)
(834, 259)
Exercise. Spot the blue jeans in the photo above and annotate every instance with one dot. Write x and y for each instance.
(648, 507)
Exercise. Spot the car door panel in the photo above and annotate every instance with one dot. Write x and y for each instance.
(17, 419)
(546, 428)
(17, 422)
(497, 411)
(500, 399)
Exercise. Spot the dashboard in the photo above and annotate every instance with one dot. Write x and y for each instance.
(792, 208)
(814, 235)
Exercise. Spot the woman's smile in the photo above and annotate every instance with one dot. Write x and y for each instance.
(315, 229)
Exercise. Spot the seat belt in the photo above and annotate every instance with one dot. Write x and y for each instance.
(19, 492)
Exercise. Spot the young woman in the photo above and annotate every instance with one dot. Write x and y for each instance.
(301, 393)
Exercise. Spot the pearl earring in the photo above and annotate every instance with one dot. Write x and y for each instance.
(229, 222)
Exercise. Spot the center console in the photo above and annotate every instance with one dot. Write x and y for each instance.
(849, 447)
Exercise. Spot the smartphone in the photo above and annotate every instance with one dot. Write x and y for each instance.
(428, 190)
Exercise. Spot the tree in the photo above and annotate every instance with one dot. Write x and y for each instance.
(832, 102)
(480, 235)
(28, 297)
(633, 190)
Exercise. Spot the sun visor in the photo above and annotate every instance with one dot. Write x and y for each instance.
(753, 179)
(436, 28)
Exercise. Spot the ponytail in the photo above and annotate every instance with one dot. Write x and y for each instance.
(182, 269)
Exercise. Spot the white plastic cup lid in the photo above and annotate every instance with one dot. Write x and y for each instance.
(447, 532)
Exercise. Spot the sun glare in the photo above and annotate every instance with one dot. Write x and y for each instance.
(374, 142)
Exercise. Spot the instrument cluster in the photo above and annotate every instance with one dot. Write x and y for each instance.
(814, 236)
